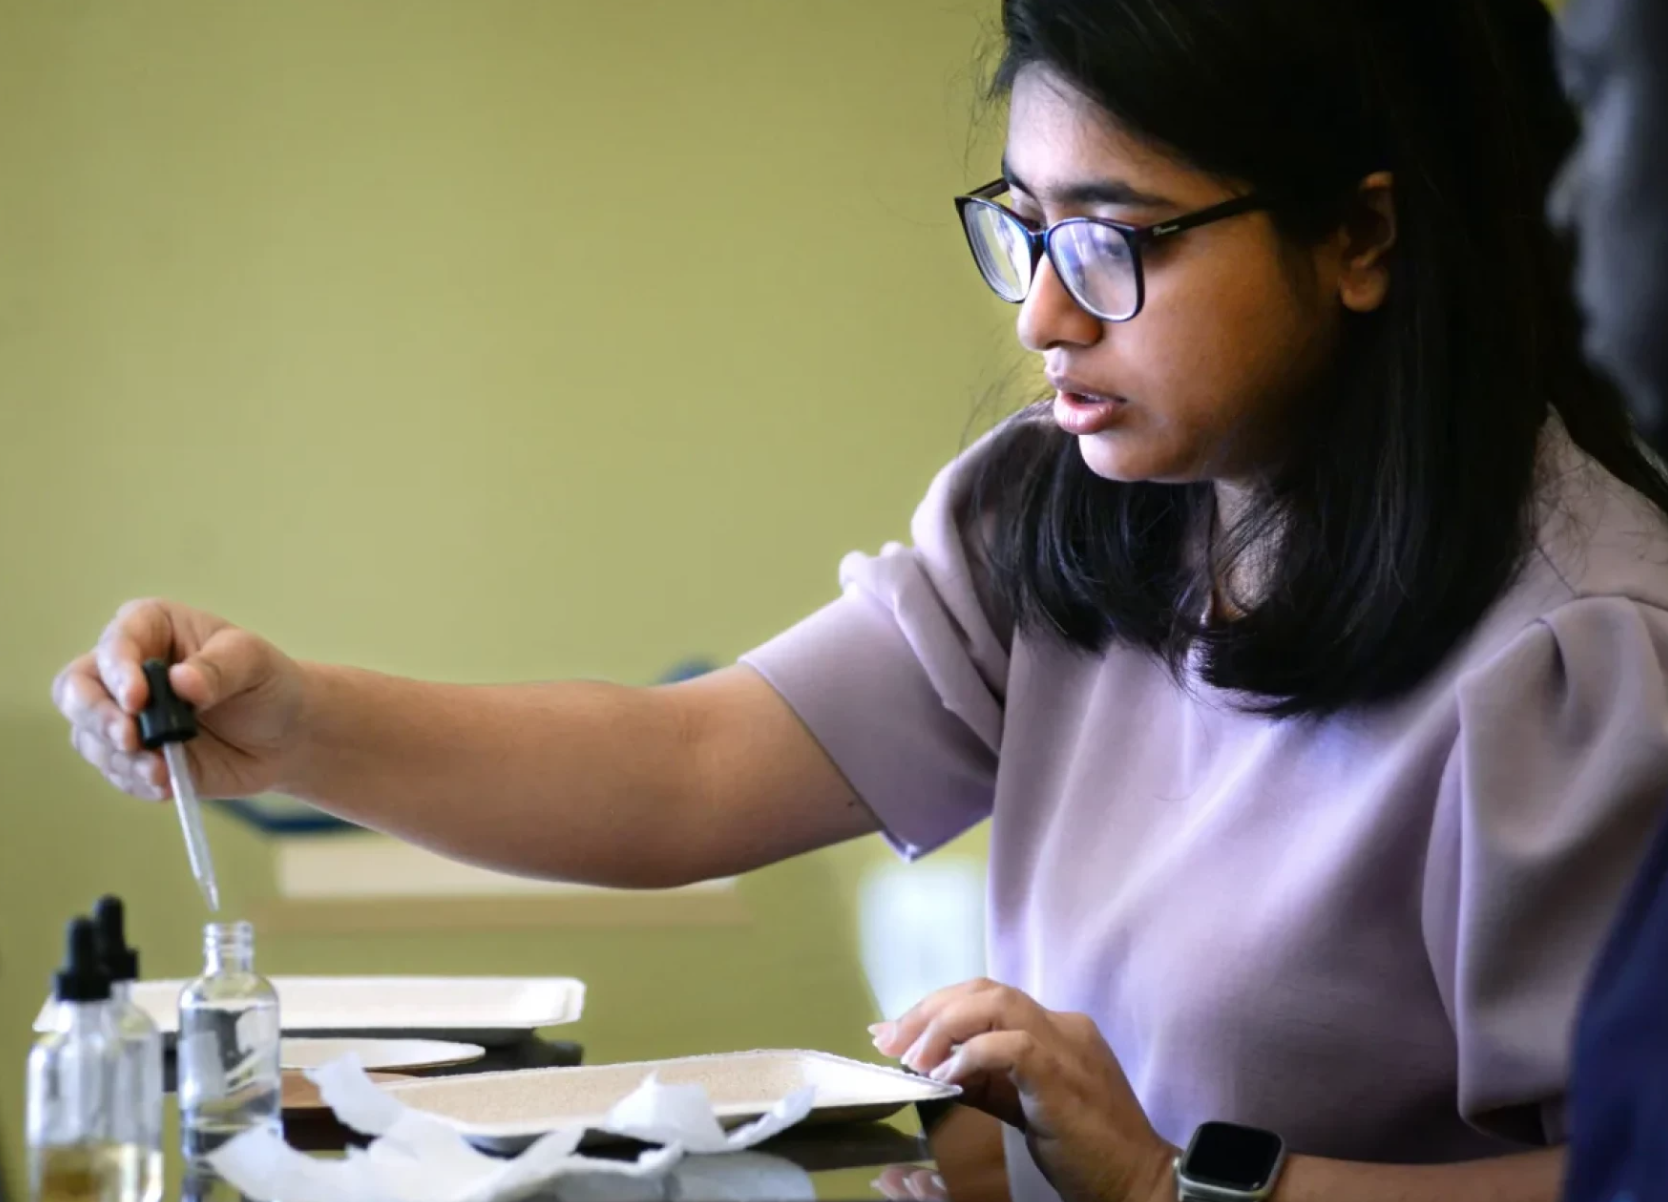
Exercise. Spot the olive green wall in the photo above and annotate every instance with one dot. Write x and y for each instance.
(481, 339)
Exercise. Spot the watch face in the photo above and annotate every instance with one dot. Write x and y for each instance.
(1232, 1157)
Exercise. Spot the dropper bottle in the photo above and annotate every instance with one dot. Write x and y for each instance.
(73, 1152)
(228, 1050)
(137, 1115)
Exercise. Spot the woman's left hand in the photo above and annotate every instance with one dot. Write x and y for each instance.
(1051, 1075)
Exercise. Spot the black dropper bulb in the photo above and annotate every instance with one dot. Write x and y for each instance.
(118, 961)
(81, 979)
(165, 718)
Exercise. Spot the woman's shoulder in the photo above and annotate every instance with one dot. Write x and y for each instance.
(1589, 601)
(1592, 591)
(1594, 536)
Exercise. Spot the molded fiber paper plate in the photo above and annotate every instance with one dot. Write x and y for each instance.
(506, 1111)
(396, 1055)
(484, 1010)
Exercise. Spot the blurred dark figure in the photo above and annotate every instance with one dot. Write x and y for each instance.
(1614, 197)
(1614, 193)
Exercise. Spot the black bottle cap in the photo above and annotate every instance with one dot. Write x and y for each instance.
(165, 718)
(118, 961)
(81, 979)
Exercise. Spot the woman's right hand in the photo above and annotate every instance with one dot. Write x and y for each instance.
(247, 694)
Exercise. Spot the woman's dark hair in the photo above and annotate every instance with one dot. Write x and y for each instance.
(1407, 508)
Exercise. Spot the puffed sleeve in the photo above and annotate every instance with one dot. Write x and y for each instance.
(1557, 779)
(902, 679)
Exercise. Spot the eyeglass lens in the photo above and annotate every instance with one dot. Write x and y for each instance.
(1094, 261)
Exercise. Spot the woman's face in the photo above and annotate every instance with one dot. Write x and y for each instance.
(1236, 325)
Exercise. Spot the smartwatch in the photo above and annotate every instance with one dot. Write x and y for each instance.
(1225, 1162)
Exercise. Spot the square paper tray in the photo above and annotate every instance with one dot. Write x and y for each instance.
(504, 1112)
(490, 1011)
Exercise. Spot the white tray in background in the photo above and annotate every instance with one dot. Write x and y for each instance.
(506, 1111)
(490, 1011)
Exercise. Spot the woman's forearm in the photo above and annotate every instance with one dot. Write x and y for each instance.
(1529, 1177)
(599, 783)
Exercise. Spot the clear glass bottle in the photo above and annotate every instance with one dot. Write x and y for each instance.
(74, 1155)
(228, 1045)
(137, 1116)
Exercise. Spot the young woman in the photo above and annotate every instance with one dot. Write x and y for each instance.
(1305, 649)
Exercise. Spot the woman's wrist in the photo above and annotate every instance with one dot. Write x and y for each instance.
(1160, 1175)
(302, 754)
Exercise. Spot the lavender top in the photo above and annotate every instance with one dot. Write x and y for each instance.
(1368, 933)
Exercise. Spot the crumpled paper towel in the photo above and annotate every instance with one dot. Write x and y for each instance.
(416, 1157)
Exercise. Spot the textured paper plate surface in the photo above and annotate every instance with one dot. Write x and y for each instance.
(388, 1054)
(506, 1110)
(299, 1095)
(483, 1010)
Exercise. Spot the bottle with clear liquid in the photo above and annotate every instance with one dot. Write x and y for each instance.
(228, 1045)
(74, 1152)
(137, 1115)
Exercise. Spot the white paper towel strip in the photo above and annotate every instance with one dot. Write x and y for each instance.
(416, 1157)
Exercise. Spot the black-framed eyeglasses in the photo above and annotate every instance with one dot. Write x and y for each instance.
(1098, 260)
